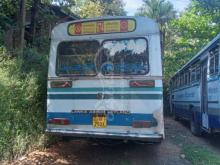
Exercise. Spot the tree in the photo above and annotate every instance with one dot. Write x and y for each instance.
(66, 5)
(22, 24)
(34, 19)
(210, 7)
(160, 10)
(112, 7)
(88, 9)
(97, 8)
(188, 35)
(190, 32)
(8, 10)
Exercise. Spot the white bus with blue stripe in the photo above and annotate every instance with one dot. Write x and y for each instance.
(195, 90)
(105, 79)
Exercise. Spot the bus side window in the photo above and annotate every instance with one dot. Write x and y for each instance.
(193, 75)
(197, 73)
(214, 61)
(178, 81)
(182, 79)
(211, 65)
(186, 78)
(189, 77)
(174, 84)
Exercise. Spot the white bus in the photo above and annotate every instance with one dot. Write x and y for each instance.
(195, 90)
(105, 79)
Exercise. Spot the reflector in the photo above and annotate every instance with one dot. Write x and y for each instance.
(142, 124)
(61, 84)
(142, 83)
(60, 121)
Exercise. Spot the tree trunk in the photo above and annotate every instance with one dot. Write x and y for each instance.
(22, 25)
(34, 15)
(162, 41)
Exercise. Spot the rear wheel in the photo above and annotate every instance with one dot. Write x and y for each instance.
(66, 138)
(176, 117)
(195, 127)
(174, 113)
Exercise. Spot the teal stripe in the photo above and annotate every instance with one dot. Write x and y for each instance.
(116, 89)
(106, 96)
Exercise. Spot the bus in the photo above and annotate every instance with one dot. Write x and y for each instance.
(105, 80)
(195, 90)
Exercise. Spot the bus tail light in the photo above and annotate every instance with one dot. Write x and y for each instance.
(144, 124)
(59, 121)
(142, 83)
(61, 84)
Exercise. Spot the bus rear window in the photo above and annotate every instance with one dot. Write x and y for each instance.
(124, 57)
(77, 58)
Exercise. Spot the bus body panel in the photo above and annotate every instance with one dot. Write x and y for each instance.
(123, 106)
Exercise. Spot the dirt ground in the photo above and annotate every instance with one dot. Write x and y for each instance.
(85, 152)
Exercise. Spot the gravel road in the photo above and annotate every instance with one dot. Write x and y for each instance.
(87, 152)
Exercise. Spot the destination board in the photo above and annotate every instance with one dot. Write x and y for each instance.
(100, 27)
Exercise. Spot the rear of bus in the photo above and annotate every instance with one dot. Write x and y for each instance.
(105, 80)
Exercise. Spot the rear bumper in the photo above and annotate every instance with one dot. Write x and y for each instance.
(107, 135)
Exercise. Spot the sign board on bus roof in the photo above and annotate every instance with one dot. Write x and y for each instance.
(102, 26)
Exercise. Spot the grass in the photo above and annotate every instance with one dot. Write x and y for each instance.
(195, 153)
(198, 155)
(22, 103)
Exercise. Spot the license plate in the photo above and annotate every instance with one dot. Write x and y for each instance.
(99, 121)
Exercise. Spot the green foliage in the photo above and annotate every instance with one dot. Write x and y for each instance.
(200, 155)
(89, 9)
(97, 8)
(112, 7)
(160, 10)
(186, 36)
(22, 102)
(8, 9)
(190, 33)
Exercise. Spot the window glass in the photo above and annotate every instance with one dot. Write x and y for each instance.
(214, 61)
(216, 54)
(198, 73)
(77, 58)
(181, 80)
(174, 83)
(193, 75)
(124, 57)
(212, 65)
(186, 78)
(189, 75)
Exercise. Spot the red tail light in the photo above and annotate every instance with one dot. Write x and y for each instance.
(143, 124)
(59, 121)
(142, 83)
(61, 84)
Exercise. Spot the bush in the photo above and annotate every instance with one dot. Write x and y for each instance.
(22, 102)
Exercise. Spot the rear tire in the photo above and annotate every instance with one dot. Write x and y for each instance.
(195, 128)
(176, 118)
(66, 138)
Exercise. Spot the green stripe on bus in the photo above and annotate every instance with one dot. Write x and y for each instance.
(117, 89)
(105, 96)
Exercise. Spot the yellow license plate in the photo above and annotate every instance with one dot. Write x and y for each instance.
(99, 121)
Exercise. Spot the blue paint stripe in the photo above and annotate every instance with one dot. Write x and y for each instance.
(214, 121)
(112, 119)
(105, 96)
(115, 89)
